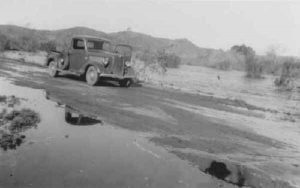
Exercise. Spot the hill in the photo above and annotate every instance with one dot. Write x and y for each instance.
(184, 48)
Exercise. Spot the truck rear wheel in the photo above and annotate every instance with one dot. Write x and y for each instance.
(91, 76)
(52, 69)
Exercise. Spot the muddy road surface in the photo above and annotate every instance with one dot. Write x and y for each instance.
(143, 136)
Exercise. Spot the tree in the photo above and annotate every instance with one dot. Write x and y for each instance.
(253, 68)
(244, 50)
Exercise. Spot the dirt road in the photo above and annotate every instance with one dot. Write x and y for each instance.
(185, 124)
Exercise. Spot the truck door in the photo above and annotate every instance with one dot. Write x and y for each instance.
(77, 54)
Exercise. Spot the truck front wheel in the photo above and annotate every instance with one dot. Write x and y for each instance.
(125, 82)
(52, 68)
(91, 76)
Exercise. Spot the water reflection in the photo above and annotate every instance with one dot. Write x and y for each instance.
(74, 117)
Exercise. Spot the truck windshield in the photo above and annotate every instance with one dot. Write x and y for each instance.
(98, 45)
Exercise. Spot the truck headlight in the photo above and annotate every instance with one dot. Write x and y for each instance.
(105, 61)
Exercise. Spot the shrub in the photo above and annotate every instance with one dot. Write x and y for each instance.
(145, 56)
(253, 68)
(12, 44)
(48, 46)
(29, 44)
(25, 43)
(224, 60)
(8, 43)
(147, 65)
(145, 71)
(269, 64)
(168, 60)
(3, 41)
(289, 71)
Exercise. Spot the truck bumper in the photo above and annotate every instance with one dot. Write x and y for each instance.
(115, 76)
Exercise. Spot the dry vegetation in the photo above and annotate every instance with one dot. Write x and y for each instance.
(243, 58)
(25, 43)
(148, 64)
(289, 71)
(21, 120)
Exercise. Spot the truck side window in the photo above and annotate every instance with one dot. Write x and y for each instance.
(78, 44)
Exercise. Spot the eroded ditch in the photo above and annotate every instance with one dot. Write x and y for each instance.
(216, 164)
(233, 172)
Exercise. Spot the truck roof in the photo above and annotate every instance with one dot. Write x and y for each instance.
(91, 37)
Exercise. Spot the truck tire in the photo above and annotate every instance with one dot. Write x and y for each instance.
(52, 69)
(68, 116)
(91, 76)
(125, 82)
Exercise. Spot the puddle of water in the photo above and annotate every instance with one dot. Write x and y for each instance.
(73, 150)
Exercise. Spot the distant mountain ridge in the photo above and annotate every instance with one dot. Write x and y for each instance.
(188, 51)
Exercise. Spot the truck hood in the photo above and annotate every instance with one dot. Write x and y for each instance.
(100, 53)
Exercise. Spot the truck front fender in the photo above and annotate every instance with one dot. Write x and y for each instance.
(53, 56)
(98, 66)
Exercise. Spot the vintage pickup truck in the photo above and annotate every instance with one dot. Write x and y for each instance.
(95, 59)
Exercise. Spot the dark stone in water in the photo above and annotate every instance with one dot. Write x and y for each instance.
(218, 169)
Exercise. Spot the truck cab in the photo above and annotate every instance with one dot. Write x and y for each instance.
(95, 59)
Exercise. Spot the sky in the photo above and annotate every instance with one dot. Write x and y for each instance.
(214, 24)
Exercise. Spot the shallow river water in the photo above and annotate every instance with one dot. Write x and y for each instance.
(234, 85)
